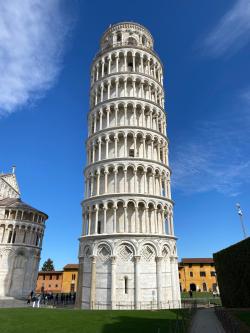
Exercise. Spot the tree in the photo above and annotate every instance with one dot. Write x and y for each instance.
(48, 265)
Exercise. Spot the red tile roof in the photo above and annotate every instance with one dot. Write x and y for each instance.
(71, 266)
(197, 260)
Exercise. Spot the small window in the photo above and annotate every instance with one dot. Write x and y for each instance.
(212, 265)
(50, 277)
(73, 277)
(189, 265)
(57, 277)
(126, 285)
(202, 273)
(191, 274)
(56, 285)
(201, 265)
(49, 285)
(43, 276)
(213, 273)
(179, 275)
(131, 153)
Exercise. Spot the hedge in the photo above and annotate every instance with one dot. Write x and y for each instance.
(233, 274)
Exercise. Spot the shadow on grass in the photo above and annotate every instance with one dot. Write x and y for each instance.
(141, 322)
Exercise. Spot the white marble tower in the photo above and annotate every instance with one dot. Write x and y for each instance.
(127, 251)
(21, 234)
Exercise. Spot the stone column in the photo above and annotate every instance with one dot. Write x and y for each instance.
(93, 283)
(109, 65)
(89, 222)
(107, 147)
(125, 145)
(109, 84)
(108, 112)
(104, 219)
(133, 56)
(101, 114)
(98, 182)
(137, 281)
(102, 88)
(125, 219)
(116, 139)
(91, 185)
(147, 221)
(100, 149)
(159, 281)
(114, 220)
(106, 181)
(125, 62)
(116, 88)
(125, 116)
(102, 67)
(97, 71)
(113, 282)
(125, 180)
(96, 219)
(115, 181)
(134, 91)
(117, 62)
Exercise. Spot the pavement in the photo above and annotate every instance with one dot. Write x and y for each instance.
(206, 321)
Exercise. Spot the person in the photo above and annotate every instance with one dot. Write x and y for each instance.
(30, 297)
(214, 293)
(34, 301)
(39, 300)
(190, 293)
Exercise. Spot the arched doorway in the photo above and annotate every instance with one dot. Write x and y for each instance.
(192, 287)
(204, 286)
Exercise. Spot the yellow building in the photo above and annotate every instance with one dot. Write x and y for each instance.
(64, 281)
(197, 274)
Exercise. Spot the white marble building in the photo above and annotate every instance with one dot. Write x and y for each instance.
(21, 234)
(127, 251)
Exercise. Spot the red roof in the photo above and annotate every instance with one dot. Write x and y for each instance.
(197, 260)
(49, 272)
(71, 266)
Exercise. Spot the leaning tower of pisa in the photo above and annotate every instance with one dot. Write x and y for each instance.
(127, 251)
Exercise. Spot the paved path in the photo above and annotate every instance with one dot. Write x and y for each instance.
(206, 321)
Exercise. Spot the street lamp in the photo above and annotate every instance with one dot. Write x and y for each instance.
(241, 219)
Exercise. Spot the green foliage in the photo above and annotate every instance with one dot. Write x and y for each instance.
(77, 321)
(233, 273)
(243, 316)
(48, 266)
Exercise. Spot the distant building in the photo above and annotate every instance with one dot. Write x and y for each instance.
(21, 234)
(64, 281)
(197, 274)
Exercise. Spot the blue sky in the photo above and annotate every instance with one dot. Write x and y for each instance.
(46, 51)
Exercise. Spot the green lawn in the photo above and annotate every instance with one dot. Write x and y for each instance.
(197, 295)
(77, 321)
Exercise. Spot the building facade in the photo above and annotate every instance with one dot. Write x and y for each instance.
(127, 254)
(64, 281)
(198, 274)
(21, 234)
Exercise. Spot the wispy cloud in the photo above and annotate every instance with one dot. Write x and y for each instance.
(232, 32)
(32, 37)
(217, 157)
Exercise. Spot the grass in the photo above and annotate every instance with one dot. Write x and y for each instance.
(197, 294)
(21, 320)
